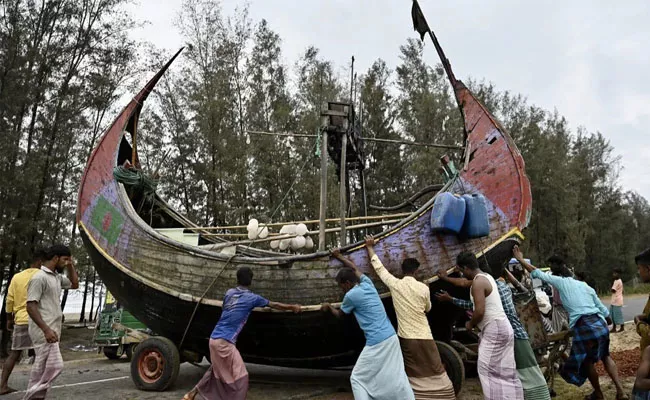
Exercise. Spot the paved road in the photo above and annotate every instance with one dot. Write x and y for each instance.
(110, 380)
(633, 306)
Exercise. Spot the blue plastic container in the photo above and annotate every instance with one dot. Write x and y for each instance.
(448, 213)
(477, 223)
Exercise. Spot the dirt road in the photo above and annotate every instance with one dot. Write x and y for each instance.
(103, 379)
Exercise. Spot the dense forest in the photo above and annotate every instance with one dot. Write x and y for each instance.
(66, 68)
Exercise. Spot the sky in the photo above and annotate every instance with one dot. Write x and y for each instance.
(589, 59)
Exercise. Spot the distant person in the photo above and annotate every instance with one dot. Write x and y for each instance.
(379, 371)
(412, 300)
(227, 377)
(530, 375)
(18, 319)
(616, 303)
(45, 316)
(497, 368)
(641, 390)
(588, 319)
(642, 321)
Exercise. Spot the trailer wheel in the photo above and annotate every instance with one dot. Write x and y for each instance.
(155, 364)
(111, 352)
(453, 365)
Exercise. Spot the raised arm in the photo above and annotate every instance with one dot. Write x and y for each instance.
(519, 256)
(72, 275)
(336, 253)
(518, 285)
(460, 282)
(385, 276)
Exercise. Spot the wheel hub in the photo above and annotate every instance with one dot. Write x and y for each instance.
(151, 365)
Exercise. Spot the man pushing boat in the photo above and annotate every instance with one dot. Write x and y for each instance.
(588, 322)
(412, 300)
(379, 371)
(227, 377)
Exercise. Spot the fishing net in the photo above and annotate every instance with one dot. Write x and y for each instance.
(136, 179)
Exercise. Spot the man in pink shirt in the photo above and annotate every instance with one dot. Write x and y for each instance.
(616, 305)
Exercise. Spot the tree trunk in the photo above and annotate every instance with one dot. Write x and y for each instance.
(92, 297)
(82, 317)
(99, 303)
(4, 341)
(64, 299)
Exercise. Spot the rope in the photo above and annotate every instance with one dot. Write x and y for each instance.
(136, 178)
(291, 187)
(189, 323)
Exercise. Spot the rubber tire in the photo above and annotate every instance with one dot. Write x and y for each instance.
(453, 365)
(172, 363)
(112, 352)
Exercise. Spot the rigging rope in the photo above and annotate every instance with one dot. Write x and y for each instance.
(292, 185)
(189, 323)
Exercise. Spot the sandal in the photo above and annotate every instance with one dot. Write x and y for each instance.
(593, 396)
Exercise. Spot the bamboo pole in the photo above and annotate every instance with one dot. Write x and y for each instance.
(323, 191)
(342, 193)
(291, 236)
(311, 221)
(366, 139)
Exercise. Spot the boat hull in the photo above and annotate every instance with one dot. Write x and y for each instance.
(169, 285)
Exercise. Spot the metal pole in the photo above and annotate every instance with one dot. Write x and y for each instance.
(342, 186)
(323, 191)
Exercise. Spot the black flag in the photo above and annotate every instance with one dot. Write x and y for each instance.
(419, 22)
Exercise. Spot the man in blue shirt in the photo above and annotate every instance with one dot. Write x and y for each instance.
(379, 372)
(588, 321)
(227, 378)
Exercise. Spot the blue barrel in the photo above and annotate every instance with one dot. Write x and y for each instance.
(477, 223)
(447, 214)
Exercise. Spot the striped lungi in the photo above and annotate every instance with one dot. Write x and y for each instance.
(47, 367)
(425, 370)
(379, 373)
(227, 377)
(530, 375)
(496, 362)
(590, 345)
(616, 312)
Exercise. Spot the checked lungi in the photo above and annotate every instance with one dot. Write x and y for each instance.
(496, 362)
(590, 345)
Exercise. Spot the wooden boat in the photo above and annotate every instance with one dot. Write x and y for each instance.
(176, 289)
